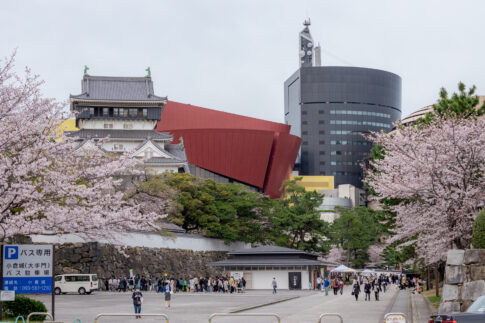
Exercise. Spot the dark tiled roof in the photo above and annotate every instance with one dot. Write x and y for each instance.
(176, 150)
(268, 262)
(267, 250)
(163, 160)
(121, 134)
(117, 89)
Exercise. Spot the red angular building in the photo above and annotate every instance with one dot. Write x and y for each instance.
(232, 148)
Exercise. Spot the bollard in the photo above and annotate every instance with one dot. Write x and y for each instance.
(39, 313)
(395, 318)
(330, 315)
(278, 319)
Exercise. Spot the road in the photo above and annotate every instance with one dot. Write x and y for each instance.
(305, 306)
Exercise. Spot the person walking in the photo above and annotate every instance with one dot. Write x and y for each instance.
(367, 288)
(273, 283)
(326, 284)
(335, 286)
(341, 286)
(356, 289)
(167, 291)
(137, 297)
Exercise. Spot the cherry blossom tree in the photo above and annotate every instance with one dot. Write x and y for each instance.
(437, 172)
(44, 186)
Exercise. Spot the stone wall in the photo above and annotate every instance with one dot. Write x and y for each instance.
(464, 279)
(107, 260)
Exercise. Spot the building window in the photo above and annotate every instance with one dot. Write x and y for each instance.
(128, 126)
(105, 112)
(304, 113)
(116, 112)
(133, 112)
(321, 121)
(304, 132)
(125, 113)
(322, 172)
(321, 153)
(340, 132)
(321, 132)
(108, 126)
(144, 113)
(305, 143)
(118, 147)
(321, 112)
(321, 142)
(304, 122)
(322, 163)
(91, 112)
(361, 113)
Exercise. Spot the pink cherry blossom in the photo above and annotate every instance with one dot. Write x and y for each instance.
(438, 170)
(44, 186)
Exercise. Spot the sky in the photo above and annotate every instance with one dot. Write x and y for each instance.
(234, 55)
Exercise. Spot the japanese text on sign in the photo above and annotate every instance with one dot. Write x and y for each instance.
(28, 268)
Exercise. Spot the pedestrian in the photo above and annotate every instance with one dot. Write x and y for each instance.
(137, 297)
(326, 284)
(273, 283)
(167, 291)
(367, 288)
(335, 286)
(356, 289)
(341, 286)
(376, 293)
(319, 283)
(243, 284)
(106, 284)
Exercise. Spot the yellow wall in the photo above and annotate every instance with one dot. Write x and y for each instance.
(68, 125)
(318, 183)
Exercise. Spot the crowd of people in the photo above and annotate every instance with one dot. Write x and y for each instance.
(374, 284)
(192, 285)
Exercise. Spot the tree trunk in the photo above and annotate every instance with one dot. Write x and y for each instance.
(428, 278)
(437, 279)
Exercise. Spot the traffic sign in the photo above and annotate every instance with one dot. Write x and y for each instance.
(28, 269)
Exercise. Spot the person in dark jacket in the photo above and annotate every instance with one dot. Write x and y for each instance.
(356, 289)
(367, 288)
(137, 297)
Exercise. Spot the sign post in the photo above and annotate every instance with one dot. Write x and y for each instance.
(28, 269)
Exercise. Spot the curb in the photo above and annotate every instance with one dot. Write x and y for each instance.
(429, 305)
(263, 305)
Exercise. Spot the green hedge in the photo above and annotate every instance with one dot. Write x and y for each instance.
(24, 306)
(479, 231)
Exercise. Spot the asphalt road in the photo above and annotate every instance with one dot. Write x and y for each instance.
(305, 306)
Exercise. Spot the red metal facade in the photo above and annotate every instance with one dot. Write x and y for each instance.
(253, 151)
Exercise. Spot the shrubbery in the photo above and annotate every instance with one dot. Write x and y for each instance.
(479, 231)
(24, 306)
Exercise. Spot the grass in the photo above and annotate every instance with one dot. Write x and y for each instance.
(431, 295)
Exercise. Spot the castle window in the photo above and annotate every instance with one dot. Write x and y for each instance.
(118, 147)
(127, 125)
(105, 112)
(108, 126)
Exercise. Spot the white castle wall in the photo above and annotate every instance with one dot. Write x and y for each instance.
(150, 240)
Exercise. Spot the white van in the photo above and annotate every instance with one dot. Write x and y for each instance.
(76, 283)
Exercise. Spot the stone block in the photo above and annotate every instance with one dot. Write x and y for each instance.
(450, 292)
(474, 256)
(477, 272)
(472, 290)
(454, 275)
(455, 257)
(449, 307)
(465, 305)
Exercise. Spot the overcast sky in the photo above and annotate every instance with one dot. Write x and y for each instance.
(235, 55)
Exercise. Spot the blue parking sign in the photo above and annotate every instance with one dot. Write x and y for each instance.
(11, 252)
(28, 269)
